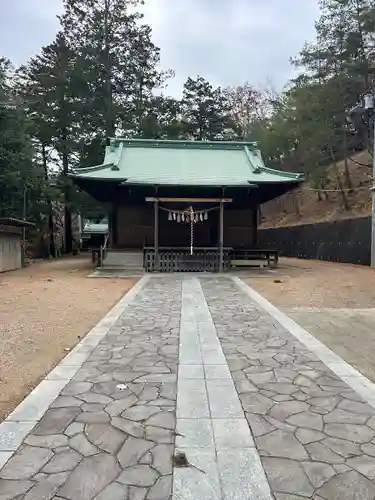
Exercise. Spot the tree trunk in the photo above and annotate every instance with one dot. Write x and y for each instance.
(51, 229)
(341, 188)
(110, 125)
(64, 121)
(325, 194)
(348, 180)
(139, 105)
(295, 203)
(68, 234)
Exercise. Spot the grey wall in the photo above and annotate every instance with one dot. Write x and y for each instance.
(347, 241)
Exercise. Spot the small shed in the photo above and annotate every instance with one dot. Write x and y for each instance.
(94, 234)
(11, 248)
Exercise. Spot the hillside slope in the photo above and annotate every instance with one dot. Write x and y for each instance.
(307, 206)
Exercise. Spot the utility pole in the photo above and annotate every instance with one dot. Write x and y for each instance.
(373, 206)
(366, 110)
(369, 102)
(23, 252)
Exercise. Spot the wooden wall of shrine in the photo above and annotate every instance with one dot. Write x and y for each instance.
(134, 228)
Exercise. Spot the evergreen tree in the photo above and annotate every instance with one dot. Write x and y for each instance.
(345, 41)
(205, 110)
(162, 119)
(118, 64)
(20, 179)
(339, 64)
(49, 85)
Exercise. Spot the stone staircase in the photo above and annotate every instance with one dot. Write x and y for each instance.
(121, 263)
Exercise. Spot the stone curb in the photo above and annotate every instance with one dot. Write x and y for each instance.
(26, 415)
(352, 377)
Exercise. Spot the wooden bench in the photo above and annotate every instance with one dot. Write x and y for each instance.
(254, 257)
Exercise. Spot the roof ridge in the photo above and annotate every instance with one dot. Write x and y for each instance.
(94, 168)
(290, 175)
(117, 141)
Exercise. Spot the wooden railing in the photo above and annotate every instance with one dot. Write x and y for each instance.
(203, 259)
(103, 250)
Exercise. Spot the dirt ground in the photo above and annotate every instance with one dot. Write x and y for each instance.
(44, 310)
(308, 283)
(304, 207)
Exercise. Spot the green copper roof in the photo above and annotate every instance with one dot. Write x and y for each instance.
(188, 163)
(95, 228)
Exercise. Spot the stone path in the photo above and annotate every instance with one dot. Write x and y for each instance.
(211, 426)
(256, 413)
(110, 433)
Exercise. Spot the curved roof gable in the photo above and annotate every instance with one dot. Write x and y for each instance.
(188, 163)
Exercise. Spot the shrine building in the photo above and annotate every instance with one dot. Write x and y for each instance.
(186, 205)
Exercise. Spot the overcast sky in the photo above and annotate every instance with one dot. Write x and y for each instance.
(225, 41)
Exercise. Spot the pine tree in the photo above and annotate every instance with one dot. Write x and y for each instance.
(20, 179)
(162, 119)
(118, 63)
(49, 86)
(340, 64)
(345, 42)
(205, 110)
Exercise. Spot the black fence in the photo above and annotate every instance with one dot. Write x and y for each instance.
(346, 241)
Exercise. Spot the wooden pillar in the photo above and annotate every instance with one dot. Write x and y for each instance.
(110, 228)
(221, 236)
(254, 228)
(156, 234)
(114, 225)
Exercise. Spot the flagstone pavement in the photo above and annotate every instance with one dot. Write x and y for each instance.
(196, 392)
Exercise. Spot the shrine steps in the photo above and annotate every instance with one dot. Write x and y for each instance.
(121, 263)
(128, 259)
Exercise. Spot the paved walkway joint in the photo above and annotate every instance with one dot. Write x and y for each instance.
(203, 366)
(211, 426)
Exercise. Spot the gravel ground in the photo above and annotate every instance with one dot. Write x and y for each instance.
(334, 302)
(44, 310)
(308, 283)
